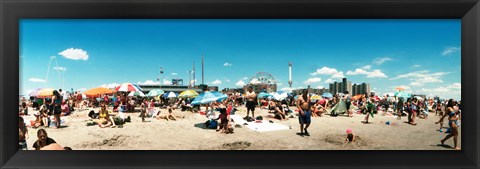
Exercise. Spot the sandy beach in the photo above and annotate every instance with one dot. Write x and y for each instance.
(327, 133)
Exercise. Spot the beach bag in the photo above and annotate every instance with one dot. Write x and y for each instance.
(211, 124)
(248, 119)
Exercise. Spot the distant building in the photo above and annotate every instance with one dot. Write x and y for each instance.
(363, 88)
(341, 87)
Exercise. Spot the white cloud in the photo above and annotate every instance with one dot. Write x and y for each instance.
(74, 54)
(110, 86)
(328, 71)
(312, 80)
(254, 81)
(216, 82)
(367, 67)
(449, 50)
(82, 89)
(416, 66)
(416, 84)
(149, 82)
(240, 83)
(279, 84)
(245, 78)
(418, 78)
(373, 74)
(173, 74)
(455, 86)
(227, 64)
(166, 82)
(228, 80)
(320, 87)
(329, 81)
(379, 61)
(60, 68)
(287, 89)
(37, 80)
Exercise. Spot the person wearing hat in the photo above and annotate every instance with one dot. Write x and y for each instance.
(350, 136)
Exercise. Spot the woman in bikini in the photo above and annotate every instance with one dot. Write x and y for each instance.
(104, 119)
(453, 113)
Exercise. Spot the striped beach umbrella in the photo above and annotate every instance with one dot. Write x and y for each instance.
(128, 87)
(34, 93)
(136, 93)
(170, 95)
(188, 94)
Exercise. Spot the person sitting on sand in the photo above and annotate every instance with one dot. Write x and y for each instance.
(43, 140)
(350, 136)
(277, 109)
(104, 119)
(22, 134)
(167, 117)
(319, 109)
(65, 109)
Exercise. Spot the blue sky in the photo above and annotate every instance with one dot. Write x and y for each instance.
(423, 56)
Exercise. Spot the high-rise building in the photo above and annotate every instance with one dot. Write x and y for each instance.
(341, 87)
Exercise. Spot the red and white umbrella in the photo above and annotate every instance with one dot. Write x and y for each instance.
(128, 87)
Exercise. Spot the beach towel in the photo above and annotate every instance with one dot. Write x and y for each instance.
(264, 126)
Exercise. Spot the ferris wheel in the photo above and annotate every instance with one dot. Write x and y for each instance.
(263, 78)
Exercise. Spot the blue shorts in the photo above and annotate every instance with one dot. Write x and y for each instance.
(305, 118)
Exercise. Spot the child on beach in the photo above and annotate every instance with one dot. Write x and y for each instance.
(350, 136)
(224, 123)
(43, 140)
(22, 134)
(369, 107)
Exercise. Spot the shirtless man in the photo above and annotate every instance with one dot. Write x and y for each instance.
(303, 105)
(250, 95)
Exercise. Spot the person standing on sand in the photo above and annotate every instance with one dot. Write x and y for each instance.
(22, 134)
(452, 111)
(57, 109)
(399, 107)
(250, 95)
(303, 105)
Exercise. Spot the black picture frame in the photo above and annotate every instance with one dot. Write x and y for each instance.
(466, 10)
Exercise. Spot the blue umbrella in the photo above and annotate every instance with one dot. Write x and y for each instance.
(208, 97)
(327, 94)
(264, 95)
(403, 94)
(170, 95)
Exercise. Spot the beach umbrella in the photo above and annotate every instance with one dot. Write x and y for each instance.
(136, 93)
(327, 95)
(356, 97)
(341, 94)
(98, 91)
(264, 95)
(128, 87)
(45, 93)
(403, 94)
(316, 97)
(169, 95)
(280, 95)
(188, 94)
(155, 92)
(34, 93)
(399, 88)
(208, 97)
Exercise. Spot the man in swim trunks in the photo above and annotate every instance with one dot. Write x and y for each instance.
(303, 105)
(250, 95)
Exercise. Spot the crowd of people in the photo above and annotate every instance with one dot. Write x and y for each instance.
(49, 111)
